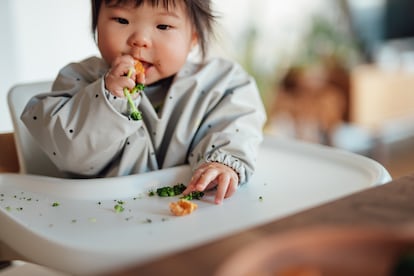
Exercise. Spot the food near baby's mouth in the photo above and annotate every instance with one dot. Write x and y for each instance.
(182, 207)
(139, 68)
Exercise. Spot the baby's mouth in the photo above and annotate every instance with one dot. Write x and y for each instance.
(145, 64)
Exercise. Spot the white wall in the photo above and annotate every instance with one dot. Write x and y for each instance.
(7, 61)
(279, 24)
(39, 37)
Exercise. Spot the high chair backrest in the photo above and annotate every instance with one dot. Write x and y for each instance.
(32, 160)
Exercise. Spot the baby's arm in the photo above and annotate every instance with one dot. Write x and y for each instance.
(211, 175)
(77, 125)
(230, 132)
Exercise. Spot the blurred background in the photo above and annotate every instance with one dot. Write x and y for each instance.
(332, 72)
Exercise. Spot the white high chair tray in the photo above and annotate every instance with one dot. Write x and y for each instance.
(84, 234)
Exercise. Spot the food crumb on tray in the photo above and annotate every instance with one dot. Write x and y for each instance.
(182, 207)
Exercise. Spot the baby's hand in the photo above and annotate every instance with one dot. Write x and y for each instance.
(116, 79)
(210, 175)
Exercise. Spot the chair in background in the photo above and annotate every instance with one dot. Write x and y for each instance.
(31, 158)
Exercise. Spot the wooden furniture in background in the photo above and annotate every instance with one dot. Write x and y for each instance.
(382, 103)
(8, 154)
(381, 96)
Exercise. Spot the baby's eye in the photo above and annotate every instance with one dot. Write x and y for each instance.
(121, 20)
(163, 27)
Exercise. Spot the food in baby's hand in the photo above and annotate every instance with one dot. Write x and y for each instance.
(182, 207)
(139, 68)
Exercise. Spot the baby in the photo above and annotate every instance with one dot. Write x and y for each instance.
(207, 114)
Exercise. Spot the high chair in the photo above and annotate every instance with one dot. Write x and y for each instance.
(32, 160)
(78, 236)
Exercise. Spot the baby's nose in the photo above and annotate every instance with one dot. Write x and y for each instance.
(139, 39)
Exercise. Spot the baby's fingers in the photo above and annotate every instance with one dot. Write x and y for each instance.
(206, 180)
(202, 178)
(226, 187)
(222, 188)
(191, 187)
(122, 65)
(116, 84)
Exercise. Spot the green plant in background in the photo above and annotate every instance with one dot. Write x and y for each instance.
(248, 59)
(325, 42)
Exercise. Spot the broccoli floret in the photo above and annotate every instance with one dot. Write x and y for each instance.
(178, 189)
(118, 208)
(135, 113)
(193, 195)
(171, 191)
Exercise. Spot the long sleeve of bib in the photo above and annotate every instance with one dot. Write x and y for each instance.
(77, 125)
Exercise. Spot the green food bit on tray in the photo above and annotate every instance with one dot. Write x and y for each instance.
(118, 208)
(178, 189)
(171, 191)
(55, 204)
(193, 195)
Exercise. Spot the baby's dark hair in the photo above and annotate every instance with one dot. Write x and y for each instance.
(199, 12)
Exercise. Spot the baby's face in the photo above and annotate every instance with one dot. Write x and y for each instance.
(161, 39)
